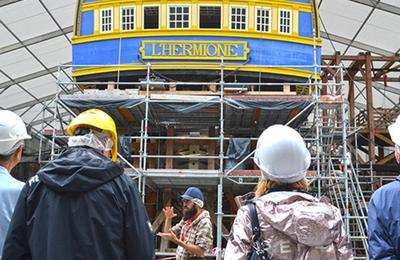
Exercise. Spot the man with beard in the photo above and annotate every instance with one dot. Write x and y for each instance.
(193, 234)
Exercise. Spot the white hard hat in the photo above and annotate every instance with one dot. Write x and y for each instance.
(12, 130)
(394, 131)
(282, 155)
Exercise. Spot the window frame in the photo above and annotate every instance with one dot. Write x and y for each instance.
(290, 21)
(247, 17)
(212, 5)
(159, 17)
(269, 9)
(134, 18)
(189, 18)
(111, 22)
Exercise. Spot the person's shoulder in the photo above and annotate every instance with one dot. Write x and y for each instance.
(15, 184)
(391, 187)
(388, 191)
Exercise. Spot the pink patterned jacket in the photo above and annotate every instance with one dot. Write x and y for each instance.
(294, 225)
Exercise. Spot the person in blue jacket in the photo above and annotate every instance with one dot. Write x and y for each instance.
(384, 212)
(12, 134)
(81, 205)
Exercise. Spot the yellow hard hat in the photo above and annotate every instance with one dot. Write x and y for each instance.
(95, 118)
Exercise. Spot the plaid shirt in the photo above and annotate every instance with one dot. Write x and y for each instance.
(199, 233)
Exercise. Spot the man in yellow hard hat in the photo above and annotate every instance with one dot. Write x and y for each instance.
(81, 205)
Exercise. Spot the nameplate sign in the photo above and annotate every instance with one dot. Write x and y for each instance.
(194, 50)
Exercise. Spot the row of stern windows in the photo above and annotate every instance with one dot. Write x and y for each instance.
(209, 17)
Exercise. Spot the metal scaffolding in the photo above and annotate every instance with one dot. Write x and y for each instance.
(326, 132)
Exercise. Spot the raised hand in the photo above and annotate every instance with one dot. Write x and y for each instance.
(169, 212)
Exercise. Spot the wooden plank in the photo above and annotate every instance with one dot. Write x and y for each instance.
(213, 88)
(169, 162)
(351, 99)
(386, 159)
(152, 148)
(168, 200)
(232, 202)
(210, 93)
(385, 139)
(211, 148)
(210, 199)
(151, 200)
(127, 115)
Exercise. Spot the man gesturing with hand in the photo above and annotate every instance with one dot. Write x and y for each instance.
(193, 234)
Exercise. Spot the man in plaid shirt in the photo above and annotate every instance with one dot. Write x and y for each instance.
(193, 234)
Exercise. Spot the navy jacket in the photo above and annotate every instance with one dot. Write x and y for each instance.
(384, 222)
(79, 206)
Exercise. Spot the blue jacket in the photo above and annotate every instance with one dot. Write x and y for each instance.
(9, 192)
(79, 206)
(384, 222)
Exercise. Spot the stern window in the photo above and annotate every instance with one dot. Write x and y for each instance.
(210, 17)
(151, 17)
(128, 18)
(238, 18)
(263, 20)
(106, 20)
(178, 17)
(285, 21)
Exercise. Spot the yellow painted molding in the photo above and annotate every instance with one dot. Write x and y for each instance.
(193, 66)
(282, 3)
(139, 17)
(96, 24)
(251, 18)
(116, 18)
(203, 32)
(295, 22)
(274, 20)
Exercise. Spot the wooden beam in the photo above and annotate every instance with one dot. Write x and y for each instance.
(385, 139)
(127, 115)
(351, 99)
(210, 199)
(168, 200)
(370, 108)
(386, 159)
(211, 148)
(232, 202)
(169, 162)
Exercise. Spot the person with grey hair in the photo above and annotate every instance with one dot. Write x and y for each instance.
(12, 134)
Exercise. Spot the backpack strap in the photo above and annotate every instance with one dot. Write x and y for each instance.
(255, 225)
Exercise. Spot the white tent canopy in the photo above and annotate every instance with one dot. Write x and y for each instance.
(35, 40)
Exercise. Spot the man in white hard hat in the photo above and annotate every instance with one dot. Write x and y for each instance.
(384, 212)
(12, 134)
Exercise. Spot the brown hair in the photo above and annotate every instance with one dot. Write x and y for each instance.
(264, 185)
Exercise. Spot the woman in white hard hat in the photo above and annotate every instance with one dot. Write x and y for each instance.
(293, 224)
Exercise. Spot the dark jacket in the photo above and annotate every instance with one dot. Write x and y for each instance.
(384, 222)
(79, 206)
